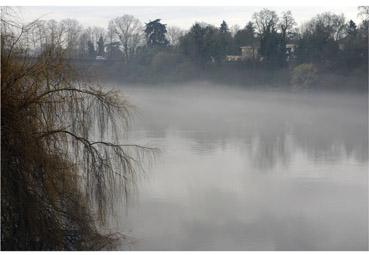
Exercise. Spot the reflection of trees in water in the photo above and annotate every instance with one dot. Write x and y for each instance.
(273, 144)
(270, 147)
(207, 141)
(334, 143)
(272, 127)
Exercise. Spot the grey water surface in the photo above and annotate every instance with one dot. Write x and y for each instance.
(243, 169)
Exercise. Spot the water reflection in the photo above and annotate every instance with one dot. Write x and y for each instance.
(243, 170)
(320, 125)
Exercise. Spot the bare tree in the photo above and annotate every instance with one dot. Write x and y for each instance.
(174, 34)
(72, 30)
(128, 30)
(98, 32)
(330, 23)
(265, 20)
(286, 24)
(55, 31)
(234, 29)
(83, 46)
(364, 12)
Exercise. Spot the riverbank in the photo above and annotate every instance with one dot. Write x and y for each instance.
(236, 74)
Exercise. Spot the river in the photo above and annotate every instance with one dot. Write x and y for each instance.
(244, 169)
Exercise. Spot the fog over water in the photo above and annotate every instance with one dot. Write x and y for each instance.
(249, 170)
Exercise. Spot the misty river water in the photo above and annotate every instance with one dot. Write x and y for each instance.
(249, 170)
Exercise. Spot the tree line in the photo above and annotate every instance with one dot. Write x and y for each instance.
(326, 39)
(131, 50)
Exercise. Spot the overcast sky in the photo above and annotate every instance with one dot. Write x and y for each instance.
(183, 17)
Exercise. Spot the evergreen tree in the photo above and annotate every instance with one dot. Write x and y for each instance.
(202, 44)
(351, 29)
(100, 46)
(272, 48)
(224, 28)
(225, 39)
(155, 34)
(244, 37)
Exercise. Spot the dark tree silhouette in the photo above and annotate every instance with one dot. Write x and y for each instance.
(100, 46)
(155, 34)
(245, 37)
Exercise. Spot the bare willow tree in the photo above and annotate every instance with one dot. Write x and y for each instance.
(63, 164)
